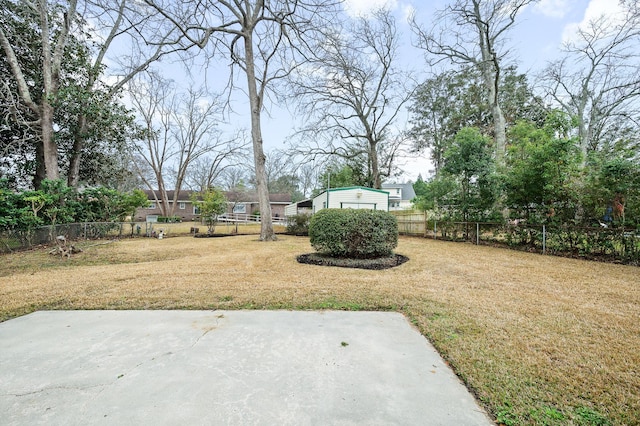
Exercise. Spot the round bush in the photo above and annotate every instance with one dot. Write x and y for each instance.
(358, 234)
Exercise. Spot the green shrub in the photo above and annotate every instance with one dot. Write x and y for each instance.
(359, 234)
(298, 224)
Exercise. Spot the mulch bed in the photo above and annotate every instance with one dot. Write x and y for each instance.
(378, 263)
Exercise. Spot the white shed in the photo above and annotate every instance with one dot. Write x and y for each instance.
(353, 197)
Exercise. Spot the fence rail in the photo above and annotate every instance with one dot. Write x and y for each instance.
(247, 218)
(612, 244)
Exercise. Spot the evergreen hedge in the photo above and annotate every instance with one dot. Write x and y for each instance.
(358, 234)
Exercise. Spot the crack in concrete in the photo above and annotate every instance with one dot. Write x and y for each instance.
(49, 388)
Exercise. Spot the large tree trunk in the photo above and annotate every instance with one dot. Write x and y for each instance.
(255, 103)
(51, 63)
(164, 200)
(375, 168)
(39, 172)
(73, 175)
(49, 147)
(491, 76)
(500, 133)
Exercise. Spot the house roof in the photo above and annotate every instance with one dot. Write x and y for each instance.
(232, 196)
(407, 189)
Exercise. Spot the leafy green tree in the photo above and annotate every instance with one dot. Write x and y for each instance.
(133, 201)
(211, 203)
(540, 181)
(436, 195)
(450, 101)
(420, 186)
(472, 32)
(610, 181)
(469, 161)
(102, 204)
(60, 204)
(9, 208)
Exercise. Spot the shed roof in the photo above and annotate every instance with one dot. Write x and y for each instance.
(347, 188)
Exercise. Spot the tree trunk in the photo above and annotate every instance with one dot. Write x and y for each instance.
(500, 133)
(255, 103)
(375, 169)
(490, 76)
(164, 201)
(73, 175)
(49, 147)
(39, 172)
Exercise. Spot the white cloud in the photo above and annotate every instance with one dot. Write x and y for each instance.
(365, 7)
(407, 12)
(595, 10)
(553, 8)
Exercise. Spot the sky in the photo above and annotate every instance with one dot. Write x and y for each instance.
(535, 40)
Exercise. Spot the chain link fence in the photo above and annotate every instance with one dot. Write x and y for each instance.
(12, 240)
(598, 243)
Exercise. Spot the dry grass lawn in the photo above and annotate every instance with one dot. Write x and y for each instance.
(539, 339)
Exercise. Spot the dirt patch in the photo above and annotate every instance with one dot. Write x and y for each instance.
(378, 263)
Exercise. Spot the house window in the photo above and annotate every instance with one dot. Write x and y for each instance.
(196, 210)
(398, 191)
(240, 208)
(182, 205)
(152, 205)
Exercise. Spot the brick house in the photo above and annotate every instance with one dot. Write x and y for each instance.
(238, 203)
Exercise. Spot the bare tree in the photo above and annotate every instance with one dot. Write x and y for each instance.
(308, 174)
(473, 32)
(210, 170)
(117, 22)
(256, 36)
(598, 79)
(278, 164)
(352, 93)
(179, 131)
(234, 177)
